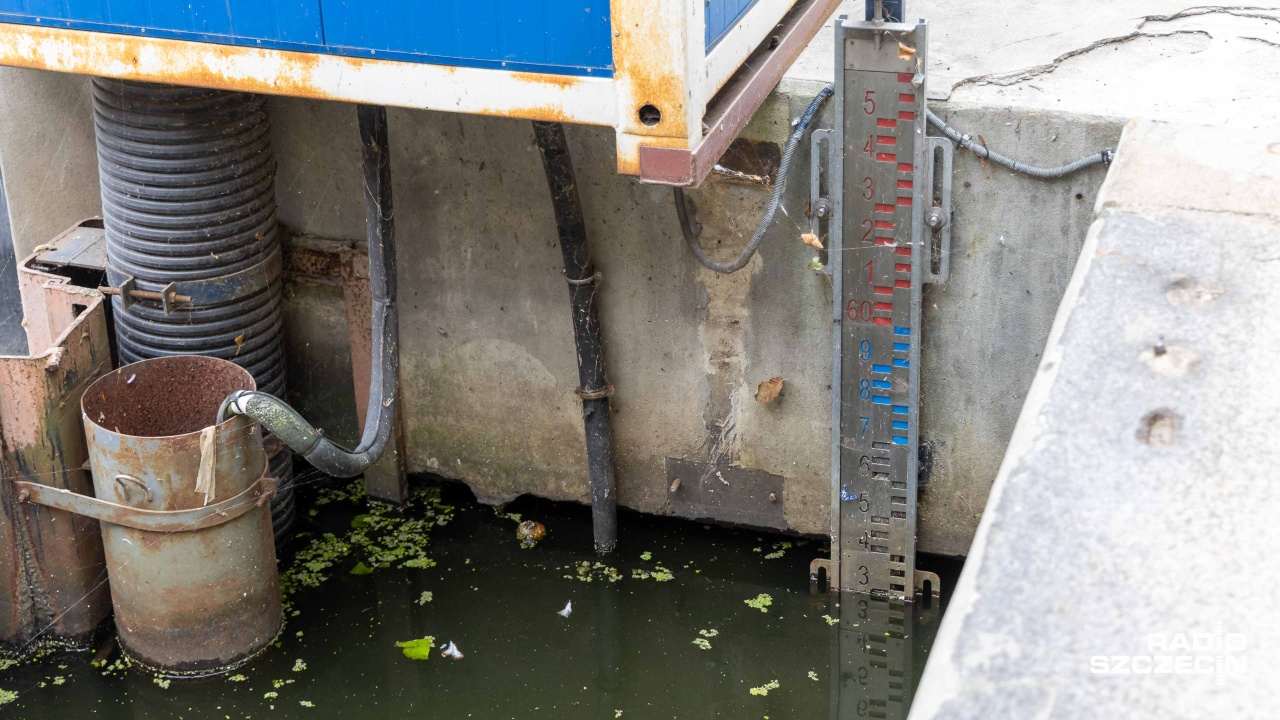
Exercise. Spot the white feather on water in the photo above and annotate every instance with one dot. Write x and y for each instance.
(568, 609)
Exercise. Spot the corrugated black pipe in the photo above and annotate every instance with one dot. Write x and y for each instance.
(282, 420)
(584, 283)
(188, 197)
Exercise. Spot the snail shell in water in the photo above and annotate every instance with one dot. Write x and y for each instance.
(530, 532)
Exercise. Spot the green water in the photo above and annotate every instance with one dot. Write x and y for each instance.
(627, 649)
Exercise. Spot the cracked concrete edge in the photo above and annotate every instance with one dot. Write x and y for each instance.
(957, 41)
(1031, 73)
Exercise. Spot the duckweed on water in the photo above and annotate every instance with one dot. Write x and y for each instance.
(7, 696)
(418, 649)
(760, 602)
(709, 633)
(830, 620)
(163, 683)
(425, 598)
(764, 689)
(702, 643)
(646, 556)
(299, 665)
(237, 678)
(813, 676)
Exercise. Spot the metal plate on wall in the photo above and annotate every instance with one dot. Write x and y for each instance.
(725, 493)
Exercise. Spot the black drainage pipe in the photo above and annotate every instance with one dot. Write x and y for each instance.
(583, 286)
(188, 198)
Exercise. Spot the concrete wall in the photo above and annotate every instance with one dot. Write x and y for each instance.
(488, 366)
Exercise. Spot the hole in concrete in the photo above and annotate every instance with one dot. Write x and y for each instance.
(77, 310)
(1159, 428)
(750, 162)
(1079, 196)
(650, 115)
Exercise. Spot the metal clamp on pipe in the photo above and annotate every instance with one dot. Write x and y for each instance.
(285, 422)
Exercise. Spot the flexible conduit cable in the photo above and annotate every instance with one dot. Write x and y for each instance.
(691, 231)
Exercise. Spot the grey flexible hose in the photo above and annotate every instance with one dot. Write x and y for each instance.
(691, 230)
(967, 142)
(285, 422)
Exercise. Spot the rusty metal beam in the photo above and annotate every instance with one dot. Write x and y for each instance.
(732, 108)
(52, 571)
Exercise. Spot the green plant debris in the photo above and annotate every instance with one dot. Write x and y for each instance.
(774, 555)
(237, 678)
(380, 537)
(277, 684)
(830, 620)
(757, 549)
(617, 713)
(760, 602)
(7, 696)
(709, 633)
(813, 676)
(702, 643)
(418, 649)
(764, 689)
(59, 680)
(425, 598)
(659, 574)
(646, 556)
(6, 663)
(163, 683)
(586, 571)
(270, 695)
(299, 665)
(306, 703)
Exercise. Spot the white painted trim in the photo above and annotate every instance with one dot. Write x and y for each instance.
(739, 42)
(535, 96)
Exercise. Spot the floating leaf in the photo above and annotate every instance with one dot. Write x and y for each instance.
(418, 649)
(361, 569)
(769, 390)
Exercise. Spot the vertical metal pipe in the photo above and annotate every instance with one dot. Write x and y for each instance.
(583, 285)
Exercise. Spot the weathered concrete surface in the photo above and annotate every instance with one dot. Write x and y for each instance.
(1133, 516)
(489, 368)
(47, 155)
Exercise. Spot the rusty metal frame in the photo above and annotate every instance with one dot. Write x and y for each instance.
(660, 60)
(735, 104)
(52, 588)
(162, 521)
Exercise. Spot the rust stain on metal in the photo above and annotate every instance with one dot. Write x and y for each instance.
(640, 41)
(51, 561)
(732, 108)
(182, 602)
(228, 67)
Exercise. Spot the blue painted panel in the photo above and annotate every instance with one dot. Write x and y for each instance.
(567, 37)
(721, 16)
(288, 21)
(556, 33)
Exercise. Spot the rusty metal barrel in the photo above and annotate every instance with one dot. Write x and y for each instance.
(186, 522)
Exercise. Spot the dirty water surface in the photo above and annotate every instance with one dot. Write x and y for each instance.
(438, 611)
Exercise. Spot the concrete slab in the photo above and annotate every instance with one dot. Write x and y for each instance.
(1123, 562)
(1164, 59)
